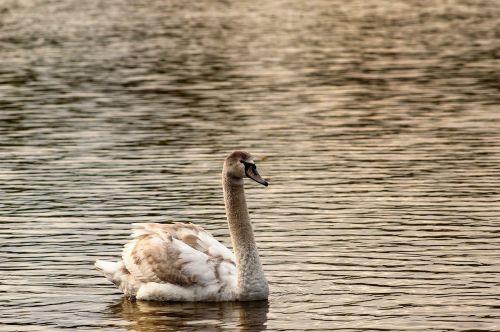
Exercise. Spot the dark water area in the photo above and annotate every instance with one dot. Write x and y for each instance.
(376, 122)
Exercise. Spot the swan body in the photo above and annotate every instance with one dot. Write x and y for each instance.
(183, 262)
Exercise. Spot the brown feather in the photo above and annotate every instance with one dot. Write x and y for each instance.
(153, 258)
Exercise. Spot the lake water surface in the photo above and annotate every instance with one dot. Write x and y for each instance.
(376, 122)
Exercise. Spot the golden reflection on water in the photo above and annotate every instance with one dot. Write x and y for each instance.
(380, 125)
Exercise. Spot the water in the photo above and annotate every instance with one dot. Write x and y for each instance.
(376, 122)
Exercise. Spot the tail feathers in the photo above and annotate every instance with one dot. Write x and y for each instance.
(111, 270)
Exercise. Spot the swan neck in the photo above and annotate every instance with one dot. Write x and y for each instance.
(251, 280)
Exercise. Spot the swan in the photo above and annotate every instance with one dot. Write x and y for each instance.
(183, 262)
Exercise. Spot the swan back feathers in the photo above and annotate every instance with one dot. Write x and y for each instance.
(174, 262)
(180, 254)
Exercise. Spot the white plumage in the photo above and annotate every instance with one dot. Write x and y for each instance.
(176, 262)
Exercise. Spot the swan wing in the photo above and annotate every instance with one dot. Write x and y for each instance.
(179, 254)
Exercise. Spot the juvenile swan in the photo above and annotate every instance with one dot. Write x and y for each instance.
(183, 262)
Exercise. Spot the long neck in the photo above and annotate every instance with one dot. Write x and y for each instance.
(252, 283)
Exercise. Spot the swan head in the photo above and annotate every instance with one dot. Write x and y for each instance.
(239, 165)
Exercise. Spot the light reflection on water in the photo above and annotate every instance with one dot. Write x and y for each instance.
(149, 316)
(377, 124)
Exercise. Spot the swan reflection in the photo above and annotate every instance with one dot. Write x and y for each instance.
(192, 316)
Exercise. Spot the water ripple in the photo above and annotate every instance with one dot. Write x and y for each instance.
(376, 123)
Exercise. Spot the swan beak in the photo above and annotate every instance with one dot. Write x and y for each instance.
(252, 173)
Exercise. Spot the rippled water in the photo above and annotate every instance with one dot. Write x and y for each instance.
(377, 123)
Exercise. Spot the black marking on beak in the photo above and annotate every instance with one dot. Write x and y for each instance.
(251, 172)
